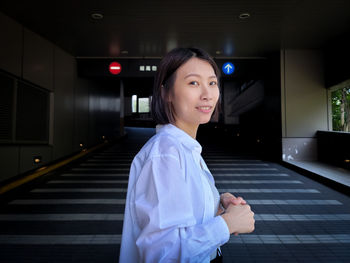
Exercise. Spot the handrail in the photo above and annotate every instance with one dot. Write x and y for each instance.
(46, 169)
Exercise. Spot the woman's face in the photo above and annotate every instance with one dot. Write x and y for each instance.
(194, 94)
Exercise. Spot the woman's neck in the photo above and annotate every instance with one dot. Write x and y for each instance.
(189, 129)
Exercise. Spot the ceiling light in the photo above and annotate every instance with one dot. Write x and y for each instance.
(125, 52)
(96, 16)
(244, 16)
(218, 52)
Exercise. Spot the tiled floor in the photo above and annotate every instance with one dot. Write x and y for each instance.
(76, 215)
(301, 222)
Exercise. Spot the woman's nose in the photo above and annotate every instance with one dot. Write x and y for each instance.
(206, 94)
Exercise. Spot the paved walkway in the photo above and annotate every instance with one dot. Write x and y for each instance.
(76, 215)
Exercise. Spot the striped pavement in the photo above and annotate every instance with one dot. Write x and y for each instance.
(77, 215)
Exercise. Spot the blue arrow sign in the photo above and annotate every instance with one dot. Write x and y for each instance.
(228, 68)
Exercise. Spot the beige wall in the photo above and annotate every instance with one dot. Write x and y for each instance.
(304, 102)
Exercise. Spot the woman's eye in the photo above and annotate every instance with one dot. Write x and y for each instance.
(213, 83)
(194, 83)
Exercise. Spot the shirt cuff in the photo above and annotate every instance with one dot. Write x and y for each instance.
(222, 230)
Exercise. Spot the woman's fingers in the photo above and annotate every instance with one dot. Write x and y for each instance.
(242, 201)
(228, 198)
(236, 201)
(239, 219)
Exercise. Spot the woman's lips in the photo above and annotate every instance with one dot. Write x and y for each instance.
(204, 109)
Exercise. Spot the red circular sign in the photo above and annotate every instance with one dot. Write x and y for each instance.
(115, 68)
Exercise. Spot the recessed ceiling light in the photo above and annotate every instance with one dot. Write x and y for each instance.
(125, 52)
(218, 52)
(96, 16)
(244, 16)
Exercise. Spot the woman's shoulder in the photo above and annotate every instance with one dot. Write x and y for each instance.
(161, 145)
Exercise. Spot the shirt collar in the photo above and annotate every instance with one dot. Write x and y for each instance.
(185, 139)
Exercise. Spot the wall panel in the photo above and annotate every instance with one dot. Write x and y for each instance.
(9, 162)
(304, 103)
(305, 93)
(81, 113)
(81, 110)
(64, 75)
(10, 45)
(38, 60)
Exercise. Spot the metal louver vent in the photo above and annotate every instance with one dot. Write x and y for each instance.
(32, 114)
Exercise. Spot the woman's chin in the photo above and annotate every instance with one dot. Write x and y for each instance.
(204, 121)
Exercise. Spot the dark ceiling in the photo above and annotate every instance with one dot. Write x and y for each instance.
(150, 28)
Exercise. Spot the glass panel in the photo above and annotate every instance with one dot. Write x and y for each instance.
(143, 105)
(341, 109)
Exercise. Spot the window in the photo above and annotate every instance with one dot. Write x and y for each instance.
(24, 112)
(134, 103)
(32, 118)
(144, 105)
(341, 109)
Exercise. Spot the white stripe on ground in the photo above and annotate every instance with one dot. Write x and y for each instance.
(122, 201)
(104, 164)
(237, 164)
(255, 190)
(96, 174)
(293, 202)
(99, 169)
(243, 169)
(257, 182)
(116, 239)
(120, 217)
(67, 201)
(61, 217)
(247, 174)
(124, 190)
(79, 190)
(88, 182)
(289, 239)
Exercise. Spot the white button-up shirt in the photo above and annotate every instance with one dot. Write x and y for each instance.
(171, 203)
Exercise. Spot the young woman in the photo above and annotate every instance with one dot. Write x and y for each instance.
(173, 210)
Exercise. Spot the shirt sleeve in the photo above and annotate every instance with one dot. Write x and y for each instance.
(163, 209)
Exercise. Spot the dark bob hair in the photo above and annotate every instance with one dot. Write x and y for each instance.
(161, 109)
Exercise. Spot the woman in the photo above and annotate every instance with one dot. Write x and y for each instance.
(172, 209)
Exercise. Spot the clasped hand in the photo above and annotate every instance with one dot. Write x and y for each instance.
(236, 213)
(226, 199)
